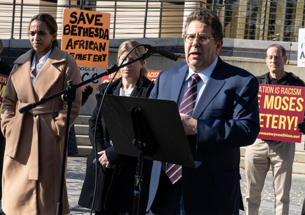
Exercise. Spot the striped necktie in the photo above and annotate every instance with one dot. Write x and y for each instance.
(173, 171)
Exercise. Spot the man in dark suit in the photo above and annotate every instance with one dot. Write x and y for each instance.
(223, 116)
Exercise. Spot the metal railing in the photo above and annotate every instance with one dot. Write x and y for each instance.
(277, 20)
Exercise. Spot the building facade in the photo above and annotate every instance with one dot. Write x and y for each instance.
(275, 20)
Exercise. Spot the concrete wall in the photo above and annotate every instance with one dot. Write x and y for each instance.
(247, 54)
(255, 66)
(242, 51)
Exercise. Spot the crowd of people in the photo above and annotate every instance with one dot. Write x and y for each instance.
(219, 111)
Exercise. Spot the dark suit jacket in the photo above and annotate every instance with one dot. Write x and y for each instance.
(114, 186)
(228, 117)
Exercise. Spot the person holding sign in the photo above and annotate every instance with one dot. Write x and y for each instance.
(116, 172)
(265, 153)
(35, 139)
(218, 106)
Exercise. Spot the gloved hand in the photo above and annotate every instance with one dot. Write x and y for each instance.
(301, 126)
(88, 90)
(86, 93)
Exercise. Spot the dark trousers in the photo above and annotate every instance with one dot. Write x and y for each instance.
(72, 145)
(105, 212)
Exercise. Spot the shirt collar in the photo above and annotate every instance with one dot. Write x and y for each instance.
(204, 74)
(41, 61)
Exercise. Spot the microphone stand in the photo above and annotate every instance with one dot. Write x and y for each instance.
(68, 95)
(144, 143)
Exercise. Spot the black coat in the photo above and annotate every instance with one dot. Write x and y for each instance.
(291, 80)
(115, 186)
(5, 69)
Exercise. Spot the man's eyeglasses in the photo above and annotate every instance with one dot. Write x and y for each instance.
(189, 38)
(39, 33)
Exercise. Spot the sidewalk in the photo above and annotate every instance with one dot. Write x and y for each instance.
(76, 173)
(76, 170)
(297, 194)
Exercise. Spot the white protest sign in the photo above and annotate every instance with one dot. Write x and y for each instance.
(301, 48)
(87, 72)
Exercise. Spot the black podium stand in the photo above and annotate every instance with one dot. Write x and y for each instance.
(168, 136)
(146, 128)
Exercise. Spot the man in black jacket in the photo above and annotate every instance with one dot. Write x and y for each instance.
(278, 154)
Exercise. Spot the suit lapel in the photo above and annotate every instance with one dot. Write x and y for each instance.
(116, 90)
(49, 73)
(177, 83)
(135, 91)
(212, 88)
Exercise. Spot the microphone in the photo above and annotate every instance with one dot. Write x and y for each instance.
(164, 53)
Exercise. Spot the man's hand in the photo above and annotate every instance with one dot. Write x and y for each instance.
(189, 124)
(104, 160)
(301, 126)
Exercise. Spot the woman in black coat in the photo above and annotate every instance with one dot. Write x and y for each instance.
(116, 172)
(5, 69)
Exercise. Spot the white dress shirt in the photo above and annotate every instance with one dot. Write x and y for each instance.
(41, 62)
(204, 75)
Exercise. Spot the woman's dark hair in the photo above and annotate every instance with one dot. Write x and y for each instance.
(50, 22)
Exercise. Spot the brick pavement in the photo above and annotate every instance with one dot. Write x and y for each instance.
(297, 194)
(77, 167)
(76, 172)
